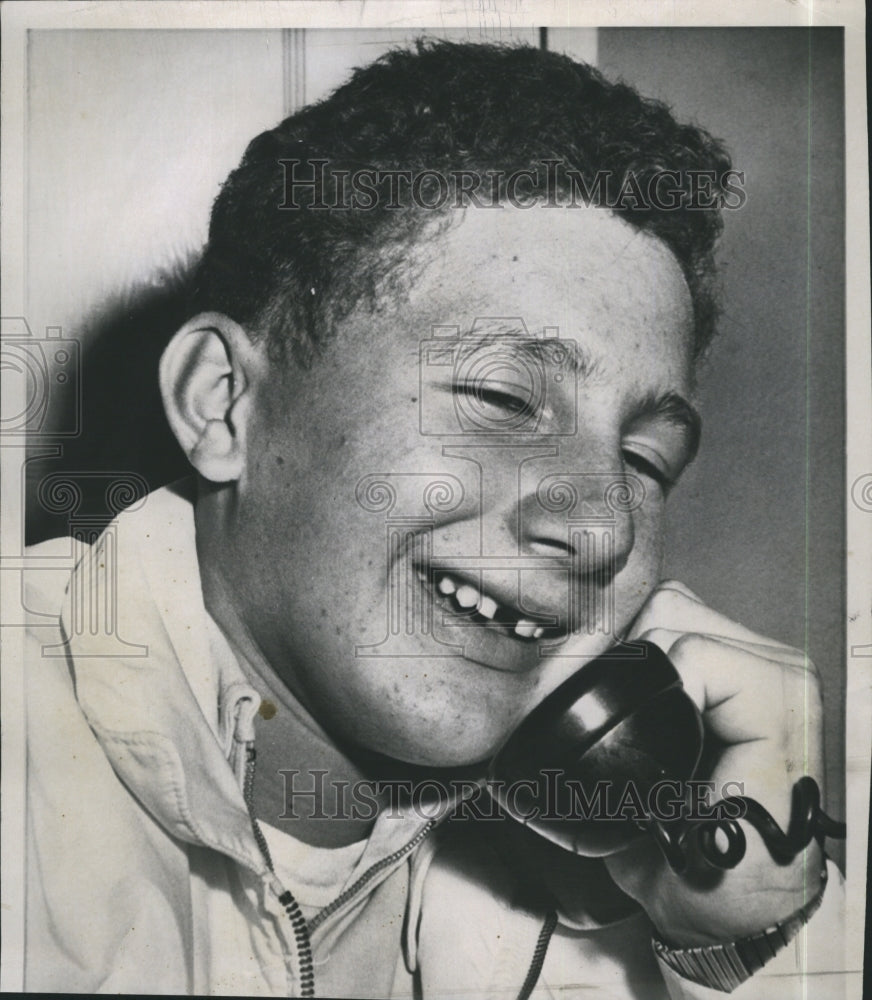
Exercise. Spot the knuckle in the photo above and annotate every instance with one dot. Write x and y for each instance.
(814, 674)
(804, 672)
(661, 637)
(691, 640)
(665, 602)
(813, 689)
(810, 670)
(690, 644)
(678, 587)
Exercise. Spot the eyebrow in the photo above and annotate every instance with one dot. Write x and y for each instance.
(576, 357)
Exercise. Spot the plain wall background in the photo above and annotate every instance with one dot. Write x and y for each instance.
(131, 133)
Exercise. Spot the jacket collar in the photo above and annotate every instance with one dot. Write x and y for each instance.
(161, 687)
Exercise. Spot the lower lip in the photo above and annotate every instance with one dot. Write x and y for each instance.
(487, 645)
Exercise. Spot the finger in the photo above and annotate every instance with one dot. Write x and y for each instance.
(759, 772)
(673, 606)
(745, 697)
(794, 658)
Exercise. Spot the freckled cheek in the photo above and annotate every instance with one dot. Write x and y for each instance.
(431, 702)
(649, 522)
(643, 570)
(380, 443)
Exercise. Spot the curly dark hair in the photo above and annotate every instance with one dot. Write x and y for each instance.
(438, 108)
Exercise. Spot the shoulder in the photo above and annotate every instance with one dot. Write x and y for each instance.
(46, 575)
(52, 716)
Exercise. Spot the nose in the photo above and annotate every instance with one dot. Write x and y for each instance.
(588, 516)
(551, 539)
(532, 507)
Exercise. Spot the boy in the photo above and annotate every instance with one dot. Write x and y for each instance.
(470, 273)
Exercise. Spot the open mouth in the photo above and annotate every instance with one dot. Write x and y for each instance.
(468, 604)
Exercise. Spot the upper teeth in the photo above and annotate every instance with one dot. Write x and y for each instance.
(486, 607)
(467, 596)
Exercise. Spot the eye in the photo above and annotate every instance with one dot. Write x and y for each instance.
(505, 399)
(648, 467)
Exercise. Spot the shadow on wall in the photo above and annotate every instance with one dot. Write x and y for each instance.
(124, 446)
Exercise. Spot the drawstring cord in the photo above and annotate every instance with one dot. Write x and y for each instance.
(539, 952)
(292, 907)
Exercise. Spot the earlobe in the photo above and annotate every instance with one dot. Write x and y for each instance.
(205, 377)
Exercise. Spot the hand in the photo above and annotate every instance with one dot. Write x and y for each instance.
(761, 706)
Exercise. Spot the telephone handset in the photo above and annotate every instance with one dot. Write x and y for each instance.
(593, 766)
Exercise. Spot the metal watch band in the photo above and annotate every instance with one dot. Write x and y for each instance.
(725, 966)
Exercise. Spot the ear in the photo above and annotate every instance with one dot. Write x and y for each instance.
(206, 375)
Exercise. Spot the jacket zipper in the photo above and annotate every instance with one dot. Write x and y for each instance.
(302, 930)
(302, 944)
(368, 875)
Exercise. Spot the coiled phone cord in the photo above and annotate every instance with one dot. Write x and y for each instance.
(807, 820)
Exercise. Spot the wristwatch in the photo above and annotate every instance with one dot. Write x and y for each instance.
(725, 966)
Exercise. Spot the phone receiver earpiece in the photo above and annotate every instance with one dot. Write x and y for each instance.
(593, 766)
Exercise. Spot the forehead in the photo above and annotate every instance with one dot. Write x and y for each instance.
(582, 273)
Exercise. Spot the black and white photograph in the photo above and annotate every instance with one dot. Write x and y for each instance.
(436, 500)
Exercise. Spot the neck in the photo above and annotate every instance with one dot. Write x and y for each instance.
(305, 777)
(301, 771)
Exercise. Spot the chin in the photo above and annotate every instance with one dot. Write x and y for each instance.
(446, 754)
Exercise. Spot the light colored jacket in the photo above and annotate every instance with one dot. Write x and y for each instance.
(143, 871)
